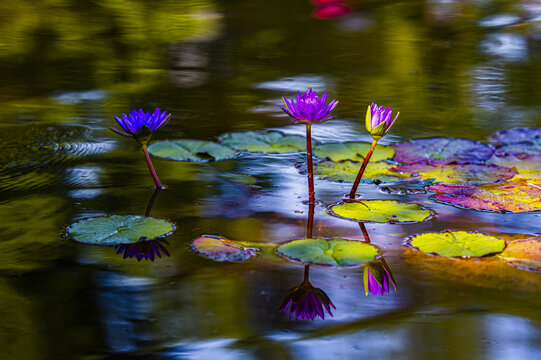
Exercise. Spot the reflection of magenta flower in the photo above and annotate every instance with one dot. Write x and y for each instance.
(331, 11)
(143, 249)
(133, 123)
(307, 302)
(309, 108)
(377, 277)
(378, 120)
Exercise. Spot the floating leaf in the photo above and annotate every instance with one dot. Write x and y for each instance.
(272, 142)
(354, 151)
(528, 167)
(336, 252)
(403, 187)
(116, 229)
(220, 249)
(519, 142)
(190, 150)
(381, 211)
(440, 151)
(512, 196)
(525, 254)
(466, 174)
(458, 244)
(346, 171)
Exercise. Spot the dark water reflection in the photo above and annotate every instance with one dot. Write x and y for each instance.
(452, 68)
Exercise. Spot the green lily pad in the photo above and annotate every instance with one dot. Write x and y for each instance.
(381, 211)
(354, 151)
(458, 244)
(220, 249)
(346, 171)
(271, 142)
(116, 229)
(335, 252)
(191, 150)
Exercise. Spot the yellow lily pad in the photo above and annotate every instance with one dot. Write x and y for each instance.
(381, 211)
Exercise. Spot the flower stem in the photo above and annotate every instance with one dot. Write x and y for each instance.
(310, 225)
(365, 233)
(311, 196)
(151, 168)
(307, 273)
(361, 171)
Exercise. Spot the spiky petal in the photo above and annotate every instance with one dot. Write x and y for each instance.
(309, 108)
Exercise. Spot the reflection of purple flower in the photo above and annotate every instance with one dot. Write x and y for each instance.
(378, 120)
(144, 248)
(307, 302)
(377, 277)
(133, 123)
(309, 108)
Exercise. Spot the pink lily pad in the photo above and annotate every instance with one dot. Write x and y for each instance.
(513, 196)
(518, 142)
(466, 174)
(220, 249)
(441, 151)
(528, 167)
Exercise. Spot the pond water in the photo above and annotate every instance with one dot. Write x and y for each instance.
(463, 69)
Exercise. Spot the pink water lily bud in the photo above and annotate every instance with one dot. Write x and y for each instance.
(378, 120)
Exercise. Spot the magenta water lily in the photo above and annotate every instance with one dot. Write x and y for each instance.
(309, 109)
(377, 278)
(140, 125)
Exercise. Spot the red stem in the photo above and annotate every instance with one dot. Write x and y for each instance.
(311, 196)
(310, 225)
(361, 171)
(365, 233)
(151, 168)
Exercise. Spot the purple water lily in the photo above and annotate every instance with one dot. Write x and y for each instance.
(377, 278)
(307, 302)
(133, 123)
(143, 249)
(378, 120)
(309, 108)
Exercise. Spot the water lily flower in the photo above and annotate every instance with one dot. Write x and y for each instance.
(143, 249)
(309, 109)
(140, 125)
(306, 302)
(378, 120)
(377, 278)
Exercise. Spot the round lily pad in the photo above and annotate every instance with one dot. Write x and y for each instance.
(335, 252)
(354, 151)
(381, 211)
(220, 249)
(524, 254)
(191, 150)
(440, 151)
(346, 171)
(458, 244)
(271, 142)
(116, 229)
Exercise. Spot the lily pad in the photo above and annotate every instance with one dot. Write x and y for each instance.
(346, 171)
(466, 174)
(116, 229)
(354, 151)
(271, 142)
(220, 249)
(441, 151)
(381, 211)
(335, 252)
(525, 254)
(513, 196)
(191, 150)
(458, 244)
(528, 167)
(518, 142)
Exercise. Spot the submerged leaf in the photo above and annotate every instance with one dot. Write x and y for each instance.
(381, 211)
(336, 252)
(190, 150)
(346, 171)
(458, 244)
(272, 142)
(440, 151)
(512, 196)
(524, 254)
(220, 249)
(466, 174)
(116, 229)
(354, 151)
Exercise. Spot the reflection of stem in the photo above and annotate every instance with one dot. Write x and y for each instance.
(310, 225)
(311, 196)
(361, 171)
(365, 233)
(306, 273)
(151, 168)
(152, 200)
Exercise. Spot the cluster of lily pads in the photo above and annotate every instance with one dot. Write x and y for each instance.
(502, 174)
